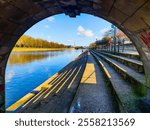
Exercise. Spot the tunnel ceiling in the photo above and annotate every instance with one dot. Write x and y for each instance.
(122, 12)
(16, 16)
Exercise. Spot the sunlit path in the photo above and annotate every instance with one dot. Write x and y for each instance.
(93, 94)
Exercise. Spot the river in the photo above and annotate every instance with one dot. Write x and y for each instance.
(26, 70)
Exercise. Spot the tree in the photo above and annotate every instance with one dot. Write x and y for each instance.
(121, 37)
(105, 40)
(27, 41)
(93, 45)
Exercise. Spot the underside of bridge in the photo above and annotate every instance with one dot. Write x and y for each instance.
(131, 16)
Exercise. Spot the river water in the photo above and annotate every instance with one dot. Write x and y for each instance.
(27, 70)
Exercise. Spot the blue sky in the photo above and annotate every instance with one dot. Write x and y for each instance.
(81, 30)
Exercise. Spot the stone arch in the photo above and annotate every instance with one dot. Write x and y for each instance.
(131, 16)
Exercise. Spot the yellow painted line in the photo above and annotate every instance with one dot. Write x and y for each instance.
(56, 78)
(125, 59)
(74, 77)
(104, 68)
(106, 71)
(20, 102)
(89, 75)
(33, 98)
(117, 65)
(46, 82)
(56, 85)
(28, 96)
(66, 81)
(120, 68)
(38, 95)
(60, 77)
(49, 87)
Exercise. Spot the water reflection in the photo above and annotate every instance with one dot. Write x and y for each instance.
(27, 57)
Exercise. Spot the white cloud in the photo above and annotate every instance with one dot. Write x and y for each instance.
(104, 30)
(81, 29)
(85, 32)
(51, 19)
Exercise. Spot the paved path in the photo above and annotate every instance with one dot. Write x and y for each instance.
(93, 95)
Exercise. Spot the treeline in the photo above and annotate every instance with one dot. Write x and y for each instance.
(105, 40)
(30, 42)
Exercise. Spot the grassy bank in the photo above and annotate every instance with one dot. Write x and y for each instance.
(18, 49)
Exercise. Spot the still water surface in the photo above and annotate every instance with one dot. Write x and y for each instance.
(26, 70)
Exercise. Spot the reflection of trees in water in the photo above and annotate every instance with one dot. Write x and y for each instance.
(26, 57)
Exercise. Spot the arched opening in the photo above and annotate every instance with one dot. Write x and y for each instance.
(15, 20)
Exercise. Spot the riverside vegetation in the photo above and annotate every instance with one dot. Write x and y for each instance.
(27, 43)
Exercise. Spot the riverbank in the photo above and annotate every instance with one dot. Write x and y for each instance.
(18, 49)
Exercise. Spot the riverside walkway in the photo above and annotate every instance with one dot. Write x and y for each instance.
(95, 81)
